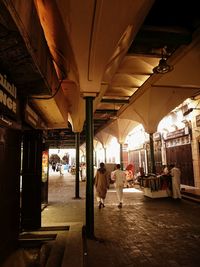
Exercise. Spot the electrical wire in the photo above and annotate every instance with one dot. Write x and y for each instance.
(50, 97)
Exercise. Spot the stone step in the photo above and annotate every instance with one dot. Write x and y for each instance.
(74, 251)
(66, 250)
(190, 194)
(55, 250)
(191, 198)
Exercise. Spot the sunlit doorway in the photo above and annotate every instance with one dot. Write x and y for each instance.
(61, 164)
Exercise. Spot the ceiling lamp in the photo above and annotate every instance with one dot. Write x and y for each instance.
(163, 67)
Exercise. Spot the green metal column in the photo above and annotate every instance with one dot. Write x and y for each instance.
(105, 156)
(89, 169)
(121, 157)
(95, 158)
(153, 167)
(77, 140)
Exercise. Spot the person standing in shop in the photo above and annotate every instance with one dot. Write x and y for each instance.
(101, 183)
(119, 178)
(165, 170)
(176, 182)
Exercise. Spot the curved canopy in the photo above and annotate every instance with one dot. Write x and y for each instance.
(104, 49)
(120, 128)
(162, 93)
(104, 138)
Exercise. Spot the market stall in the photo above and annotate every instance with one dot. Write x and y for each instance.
(157, 186)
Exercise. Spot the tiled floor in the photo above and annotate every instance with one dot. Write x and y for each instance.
(145, 232)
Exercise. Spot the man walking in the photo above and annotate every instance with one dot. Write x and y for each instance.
(119, 178)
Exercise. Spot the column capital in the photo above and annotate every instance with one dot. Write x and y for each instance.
(89, 94)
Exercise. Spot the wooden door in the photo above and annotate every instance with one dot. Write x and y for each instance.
(181, 156)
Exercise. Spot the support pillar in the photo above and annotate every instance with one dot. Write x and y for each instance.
(77, 140)
(152, 159)
(105, 156)
(89, 169)
(95, 158)
(121, 157)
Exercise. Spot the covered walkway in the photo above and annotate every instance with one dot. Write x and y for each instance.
(145, 232)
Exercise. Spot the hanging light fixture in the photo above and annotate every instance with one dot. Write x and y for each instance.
(163, 67)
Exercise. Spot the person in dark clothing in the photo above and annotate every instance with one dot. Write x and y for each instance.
(101, 184)
(53, 166)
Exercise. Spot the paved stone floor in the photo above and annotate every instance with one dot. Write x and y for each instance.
(145, 232)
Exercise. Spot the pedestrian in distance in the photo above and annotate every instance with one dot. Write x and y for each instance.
(119, 178)
(61, 170)
(176, 182)
(83, 172)
(54, 166)
(101, 183)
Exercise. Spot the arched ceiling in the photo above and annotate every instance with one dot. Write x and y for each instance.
(104, 138)
(120, 128)
(67, 49)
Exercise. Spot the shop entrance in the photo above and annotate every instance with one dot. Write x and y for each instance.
(61, 167)
(182, 157)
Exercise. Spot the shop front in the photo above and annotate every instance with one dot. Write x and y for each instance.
(21, 146)
(10, 156)
(34, 170)
(179, 152)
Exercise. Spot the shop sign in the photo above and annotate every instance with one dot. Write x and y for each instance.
(184, 140)
(8, 95)
(176, 134)
(136, 146)
(198, 120)
(44, 166)
(156, 136)
(125, 147)
(32, 118)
